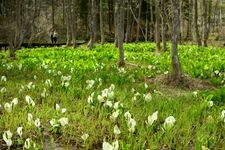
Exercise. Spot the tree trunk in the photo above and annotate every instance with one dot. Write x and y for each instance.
(116, 22)
(157, 30)
(181, 21)
(128, 25)
(189, 17)
(151, 20)
(101, 23)
(209, 21)
(17, 38)
(93, 24)
(146, 27)
(68, 27)
(176, 72)
(138, 21)
(53, 15)
(32, 23)
(73, 23)
(205, 20)
(64, 16)
(110, 19)
(196, 22)
(164, 25)
(121, 32)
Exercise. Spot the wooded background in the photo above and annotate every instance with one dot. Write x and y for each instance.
(95, 21)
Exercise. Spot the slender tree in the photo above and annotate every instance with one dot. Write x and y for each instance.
(120, 30)
(128, 24)
(138, 20)
(196, 22)
(116, 22)
(157, 27)
(53, 14)
(163, 12)
(176, 72)
(101, 23)
(68, 21)
(189, 19)
(73, 22)
(93, 28)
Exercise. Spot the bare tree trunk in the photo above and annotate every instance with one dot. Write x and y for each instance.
(16, 41)
(181, 20)
(220, 15)
(146, 28)
(116, 22)
(53, 15)
(110, 7)
(204, 16)
(32, 23)
(68, 27)
(128, 25)
(73, 23)
(209, 20)
(63, 3)
(151, 20)
(93, 24)
(138, 21)
(164, 25)
(189, 17)
(101, 23)
(176, 74)
(157, 30)
(121, 32)
(135, 18)
(215, 14)
(196, 22)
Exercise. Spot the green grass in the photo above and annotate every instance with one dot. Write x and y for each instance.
(196, 124)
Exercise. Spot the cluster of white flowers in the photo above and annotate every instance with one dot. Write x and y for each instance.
(114, 115)
(211, 103)
(37, 122)
(57, 108)
(90, 98)
(48, 82)
(131, 123)
(65, 81)
(85, 136)
(44, 94)
(3, 79)
(90, 84)
(3, 90)
(56, 123)
(8, 106)
(20, 66)
(29, 144)
(9, 66)
(44, 66)
(108, 146)
(222, 116)
(122, 71)
(135, 96)
(63, 121)
(7, 137)
(30, 85)
(152, 118)
(107, 94)
(147, 97)
(30, 101)
(169, 122)
(20, 131)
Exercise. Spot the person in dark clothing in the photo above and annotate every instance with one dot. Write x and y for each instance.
(54, 37)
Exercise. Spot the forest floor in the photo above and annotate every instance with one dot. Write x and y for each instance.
(68, 98)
